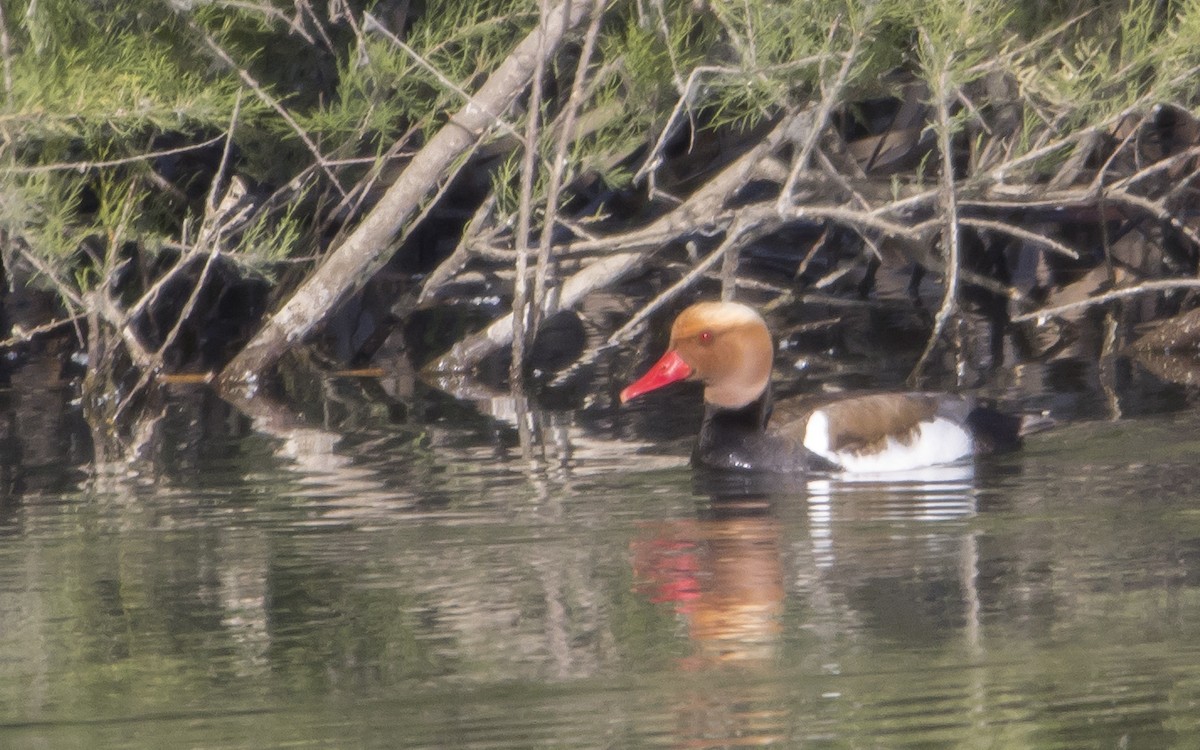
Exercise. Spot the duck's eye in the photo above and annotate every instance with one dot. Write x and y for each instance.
(706, 337)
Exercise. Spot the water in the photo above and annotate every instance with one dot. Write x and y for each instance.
(366, 578)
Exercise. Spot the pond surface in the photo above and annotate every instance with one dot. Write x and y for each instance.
(413, 578)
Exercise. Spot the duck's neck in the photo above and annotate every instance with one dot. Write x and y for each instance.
(735, 438)
(751, 418)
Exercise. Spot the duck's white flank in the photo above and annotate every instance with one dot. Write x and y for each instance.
(938, 441)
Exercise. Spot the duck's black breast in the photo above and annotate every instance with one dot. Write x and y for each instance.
(737, 439)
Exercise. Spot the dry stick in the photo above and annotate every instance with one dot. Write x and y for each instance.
(1156, 209)
(740, 232)
(106, 306)
(654, 157)
(148, 373)
(462, 252)
(210, 235)
(24, 335)
(849, 216)
(63, 288)
(566, 135)
(950, 231)
(1021, 233)
(1161, 165)
(348, 267)
(998, 173)
(629, 250)
(729, 269)
(1097, 187)
(210, 232)
(1132, 291)
(829, 97)
(529, 163)
(81, 166)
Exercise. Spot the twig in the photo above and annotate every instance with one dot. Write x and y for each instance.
(210, 236)
(24, 335)
(740, 232)
(1156, 209)
(654, 157)
(829, 97)
(81, 166)
(566, 135)
(1165, 285)
(461, 254)
(1098, 181)
(1021, 233)
(65, 290)
(950, 231)
(529, 162)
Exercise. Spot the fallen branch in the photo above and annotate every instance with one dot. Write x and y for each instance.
(368, 247)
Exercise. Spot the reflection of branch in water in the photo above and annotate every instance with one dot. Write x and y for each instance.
(558, 443)
(311, 452)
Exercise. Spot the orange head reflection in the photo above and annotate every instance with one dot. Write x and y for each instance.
(725, 576)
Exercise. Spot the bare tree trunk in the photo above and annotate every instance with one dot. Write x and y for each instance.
(366, 249)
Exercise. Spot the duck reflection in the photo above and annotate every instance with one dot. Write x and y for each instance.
(737, 615)
(723, 570)
(722, 573)
(862, 557)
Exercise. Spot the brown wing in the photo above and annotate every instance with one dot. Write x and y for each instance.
(862, 424)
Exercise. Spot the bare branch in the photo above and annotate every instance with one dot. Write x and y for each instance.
(529, 163)
(949, 197)
(1147, 287)
(1021, 234)
(740, 233)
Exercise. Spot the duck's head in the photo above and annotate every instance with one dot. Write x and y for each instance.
(725, 345)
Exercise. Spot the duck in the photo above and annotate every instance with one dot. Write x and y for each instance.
(728, 348)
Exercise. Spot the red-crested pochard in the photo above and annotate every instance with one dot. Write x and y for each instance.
(727, 347)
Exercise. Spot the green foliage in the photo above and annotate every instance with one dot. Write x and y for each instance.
(270, 239)
(123, 79)
(43, 212)
(384, 90)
